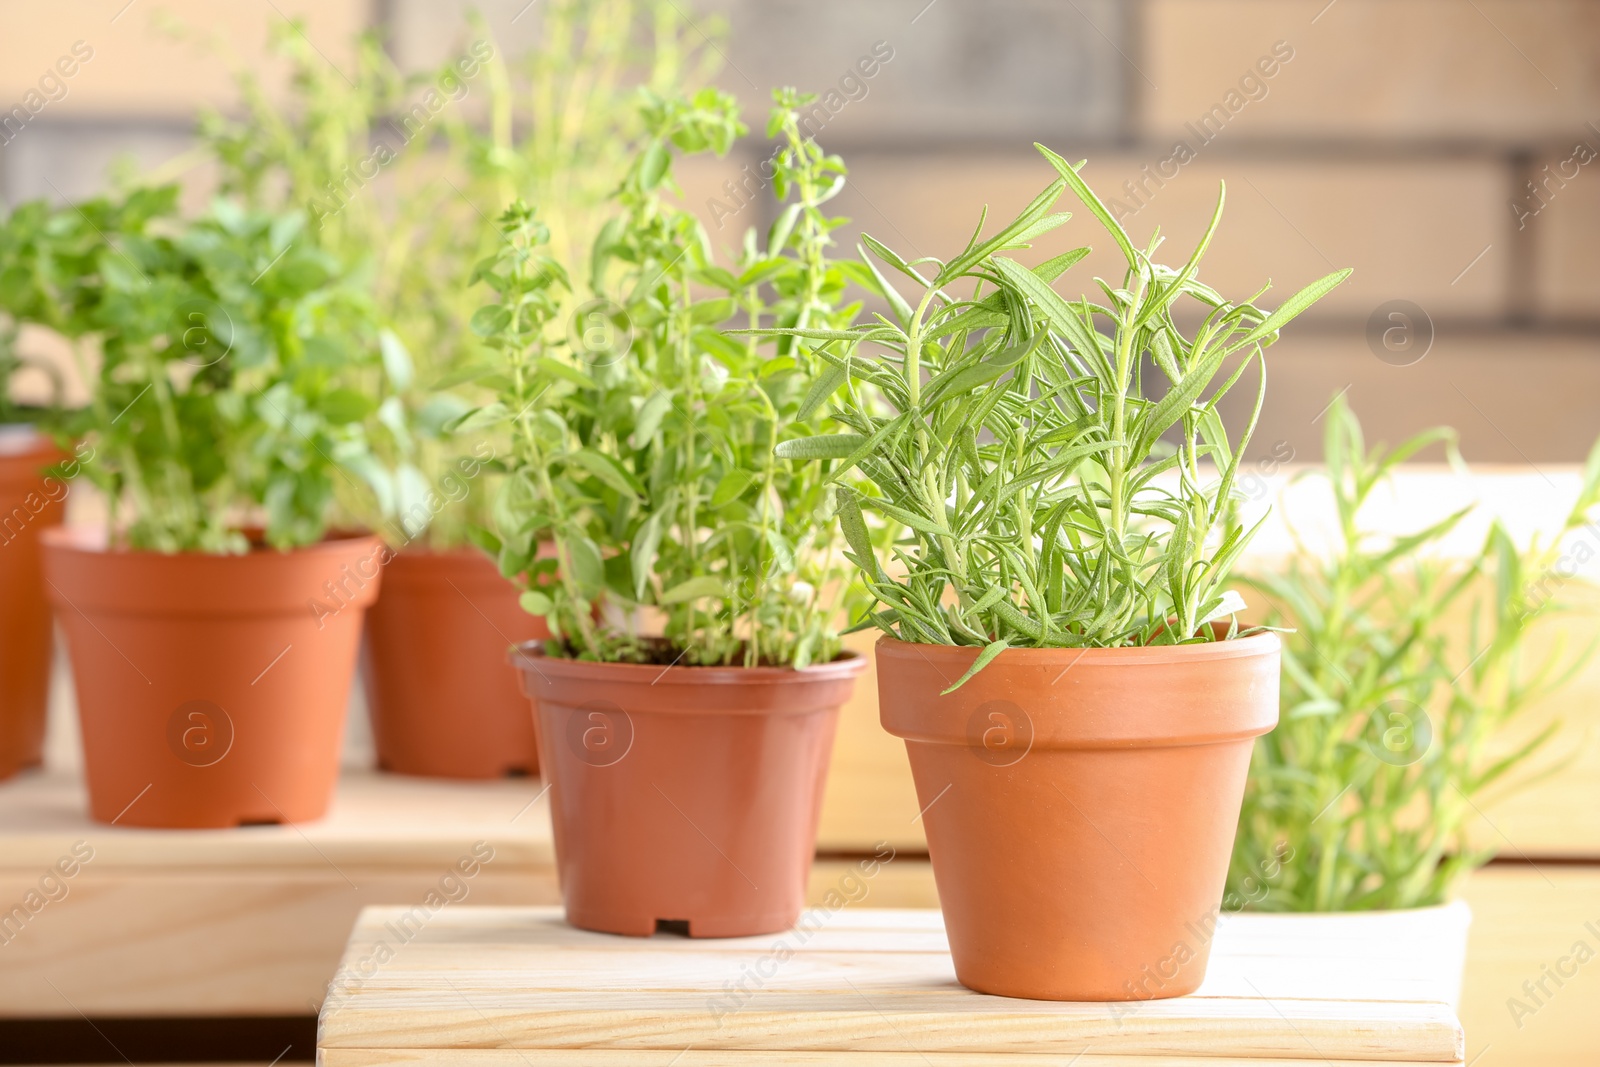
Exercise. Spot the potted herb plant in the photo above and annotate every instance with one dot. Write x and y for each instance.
(213, 623)
(1402, 669)
(31, 499)
(394, 168)
(688, 697)
(1060, 652)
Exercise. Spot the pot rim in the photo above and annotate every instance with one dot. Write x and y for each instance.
(1454, 908)
(450, 573)
(528, 654)
(415, 550)
(23, 451)
(1170, 696)
(418, 548)
(321, 580)
(92, 541)
(1259, 644)
(20, 438)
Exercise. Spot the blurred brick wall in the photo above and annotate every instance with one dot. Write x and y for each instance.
(1398, 137)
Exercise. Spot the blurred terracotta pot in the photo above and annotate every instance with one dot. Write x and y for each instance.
(685, 794)
(212, 690)
(1080, 805)
(30, 501)
(441, 699)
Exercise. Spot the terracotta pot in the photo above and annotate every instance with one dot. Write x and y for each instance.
(441, 699)
(1080, 805)
(212, 690)
(685, 795)
(29, 502)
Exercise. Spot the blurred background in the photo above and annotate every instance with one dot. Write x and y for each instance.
(1442, 148)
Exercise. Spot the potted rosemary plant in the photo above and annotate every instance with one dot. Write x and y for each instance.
(213, 622)
(1404, 672)
(688, 696)
(396, 170)
(1060, 653)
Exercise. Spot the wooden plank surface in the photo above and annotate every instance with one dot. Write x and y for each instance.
(378, 819)
(142, 939)
(695, 1057)
(249, 921)
(1526, 920)
(1299, 988)
(1527, 923)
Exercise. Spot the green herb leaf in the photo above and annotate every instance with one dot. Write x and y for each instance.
(986, 657)
(608, 470)
(732, 486)
(490, 320)
(396, 361)
(829, 446)
(822, 389)
(693, 589)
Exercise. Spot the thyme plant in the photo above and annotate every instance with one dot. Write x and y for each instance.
(1386, 740)
(649, 461)
(1051, 494)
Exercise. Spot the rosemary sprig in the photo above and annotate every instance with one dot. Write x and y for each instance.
(1051, 494)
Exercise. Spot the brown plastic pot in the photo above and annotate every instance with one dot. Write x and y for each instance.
(211, 689)
(441, 699)
(685, 795)
(1080, 805)
(30, 502)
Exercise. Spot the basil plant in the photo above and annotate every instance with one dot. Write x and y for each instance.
(223, 355)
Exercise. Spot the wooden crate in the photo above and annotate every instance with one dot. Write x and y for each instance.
(495, 985)
(1525, 922)
(248, 921)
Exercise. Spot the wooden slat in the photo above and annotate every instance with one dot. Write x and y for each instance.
(1358, 987)
(249, 921)
(694, 1057)
(1524, 919)
(375, 819)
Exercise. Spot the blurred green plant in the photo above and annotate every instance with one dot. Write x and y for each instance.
(1021, 449)
(649, 458)
(16, 367)
(48, 274)
(405, 170)
(217, 352)
(1390, 723)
